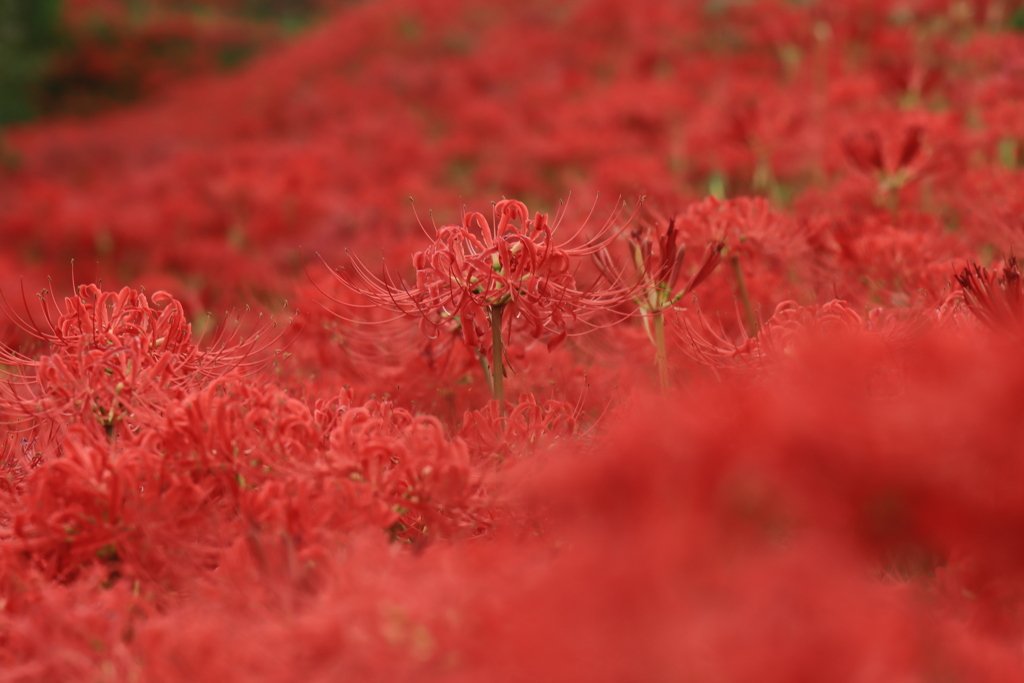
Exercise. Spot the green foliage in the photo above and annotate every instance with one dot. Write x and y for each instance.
(30, 33)
(41, 74)
(1017, 20)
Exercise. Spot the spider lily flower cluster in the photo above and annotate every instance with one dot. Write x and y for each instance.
(116, 359)
(995, 296)
(657, 259)
(491, 277)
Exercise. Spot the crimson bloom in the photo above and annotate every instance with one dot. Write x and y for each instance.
(489, 276)
(657, 258)
(995, 296)
(115, 357)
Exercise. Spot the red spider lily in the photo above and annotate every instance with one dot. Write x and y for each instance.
(899, 151)
(421, 481)
(115, 356)
(527, 427)
(892, 159)
(509, 273)
(765, 246)
(996, 297)
(657, 259)
(775, 338)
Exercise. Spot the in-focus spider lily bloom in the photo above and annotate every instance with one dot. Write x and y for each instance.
(488, 277)
(115, 359)
(657, 257)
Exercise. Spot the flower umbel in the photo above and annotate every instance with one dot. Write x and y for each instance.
(995, 296)
(657, 258)
(489, 277)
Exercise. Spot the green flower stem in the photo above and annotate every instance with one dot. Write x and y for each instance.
(497, 355)
(748, 308)
(661, 351)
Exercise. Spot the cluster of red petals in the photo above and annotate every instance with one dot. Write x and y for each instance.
(511, 264)
(657, 259)
(420, 479)
(790, 329)
(527, 427)
(113, 358)
(167, 495)
(995, 296)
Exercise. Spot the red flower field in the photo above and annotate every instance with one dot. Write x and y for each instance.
(462, 340)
